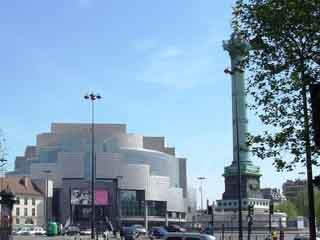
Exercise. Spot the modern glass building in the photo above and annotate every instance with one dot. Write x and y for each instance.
(139, 179)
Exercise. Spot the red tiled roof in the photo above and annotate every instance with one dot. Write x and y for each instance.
(19, 185)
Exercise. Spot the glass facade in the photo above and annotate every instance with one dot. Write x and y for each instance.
(157, 208)
(132, 203)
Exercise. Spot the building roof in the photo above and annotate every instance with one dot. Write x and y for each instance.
(20, 185)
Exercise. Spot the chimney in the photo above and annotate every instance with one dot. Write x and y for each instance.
(25, 181)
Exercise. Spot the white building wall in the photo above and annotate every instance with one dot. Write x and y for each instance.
(159, 188)
(71, 164)
(38, 207)
(161, 164)
(135, 177)
(37, 171)
(175, 200)
(108, 165)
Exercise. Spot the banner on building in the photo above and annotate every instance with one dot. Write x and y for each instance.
(83, 197)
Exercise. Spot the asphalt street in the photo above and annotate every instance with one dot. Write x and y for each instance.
(219, 236)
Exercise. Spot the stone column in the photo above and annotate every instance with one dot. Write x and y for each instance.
(167, 220)
(146, 215)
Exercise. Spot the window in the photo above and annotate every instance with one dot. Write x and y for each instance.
(26, 212)
(18, 200)
(33, 212)
(17, 211)
(33, 201)
(17, 221)
(26, 201)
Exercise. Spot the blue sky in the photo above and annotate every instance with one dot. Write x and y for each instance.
(158, 64)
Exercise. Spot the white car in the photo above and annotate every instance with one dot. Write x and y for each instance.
(37, 231)
(186, 235)
(139, 229)
(85, 232)
(24, 231)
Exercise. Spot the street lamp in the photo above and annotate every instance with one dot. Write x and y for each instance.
(201, 190)
(46, 211)
(2, 163)
(119, 201)
(92, 97)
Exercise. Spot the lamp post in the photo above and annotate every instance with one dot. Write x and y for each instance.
(92, 97)
(3, 162)
(119, 202)
(46, 211)
(201, 190)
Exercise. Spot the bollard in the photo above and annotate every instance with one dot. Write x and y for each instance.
(222, 231)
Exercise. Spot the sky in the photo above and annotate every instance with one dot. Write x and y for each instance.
(158, 65)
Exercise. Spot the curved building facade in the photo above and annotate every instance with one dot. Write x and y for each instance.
(138, 179)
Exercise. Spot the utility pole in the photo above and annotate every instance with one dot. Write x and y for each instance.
(92, 97)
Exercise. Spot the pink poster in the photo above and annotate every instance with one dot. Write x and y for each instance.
(102, 197)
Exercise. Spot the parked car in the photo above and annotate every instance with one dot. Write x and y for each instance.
(175, 228)
(207, 230)
(129, 233)
(72, 231)
(37, 231)
(185, 235)
(157, 232)
(86, 231)
(24, 231)
(139, 229)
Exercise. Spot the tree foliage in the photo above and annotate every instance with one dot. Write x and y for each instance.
(284, 59)
(302, 205)
(288, 207)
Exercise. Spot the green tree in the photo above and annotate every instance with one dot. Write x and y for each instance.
(284, 60)
(301, 203)
(288, 207)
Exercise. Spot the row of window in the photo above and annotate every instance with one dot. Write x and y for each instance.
(26, 221)
(33, 201)
(181, 215)
(26, 212)
(244, 203)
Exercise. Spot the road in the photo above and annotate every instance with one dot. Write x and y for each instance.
(219, 236)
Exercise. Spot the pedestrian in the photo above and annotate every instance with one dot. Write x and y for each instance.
(274, 235)
(121, 233)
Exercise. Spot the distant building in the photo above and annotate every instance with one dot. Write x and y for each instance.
(191, 204)
(291, 189)
(29, 208)
(272, 193)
